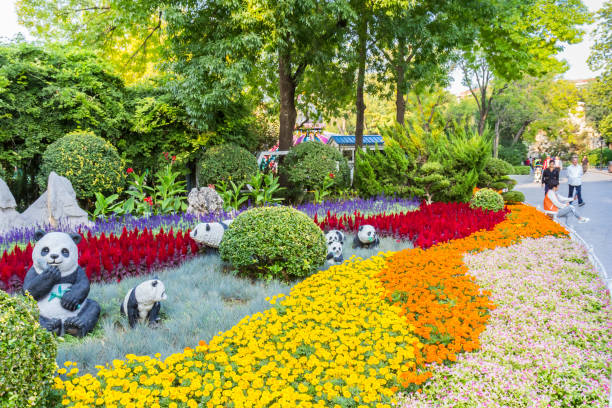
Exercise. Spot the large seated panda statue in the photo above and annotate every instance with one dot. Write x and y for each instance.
(210, 234)
(366, 237)
(60, 285)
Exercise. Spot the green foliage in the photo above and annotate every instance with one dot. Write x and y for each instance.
(265, 186)
(168, 195)
(600, 156)
(227, 162)
(512, 197)
(308, 164)
(46, 93)
(495, 175)
(521, 170)
(487, 199)
(598, 105)
(515, 154)
(232, 195)
(27, 354)
(469, 152)
(90, 163)
(601, 51)
(324, 190)
(274, 242)
(429, 181)
(365, 178)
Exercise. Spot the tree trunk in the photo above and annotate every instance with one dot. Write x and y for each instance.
(496, 141)
(484, 112)
(520, 131)
(360, 105)
(288, 113)
(400, 102)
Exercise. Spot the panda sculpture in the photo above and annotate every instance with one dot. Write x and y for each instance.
(210, 234)
(60, 285)
(334, 236)
(142, 302)
(366, 237)
(334, 253)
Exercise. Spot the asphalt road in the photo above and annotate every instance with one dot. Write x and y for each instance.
(597, 195)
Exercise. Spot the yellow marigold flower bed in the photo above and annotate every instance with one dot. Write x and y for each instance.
(333, 341)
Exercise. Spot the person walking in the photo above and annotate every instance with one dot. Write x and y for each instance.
(558, 163)
(559, 204)
(550, 176)
(585, 164)
(574, 175)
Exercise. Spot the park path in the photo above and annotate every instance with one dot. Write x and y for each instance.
(597, 194)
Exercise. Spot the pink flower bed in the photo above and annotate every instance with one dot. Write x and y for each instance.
(548, 342)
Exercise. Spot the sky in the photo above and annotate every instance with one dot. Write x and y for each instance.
(576, 55)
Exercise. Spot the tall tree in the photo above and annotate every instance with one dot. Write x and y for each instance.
(522, 38)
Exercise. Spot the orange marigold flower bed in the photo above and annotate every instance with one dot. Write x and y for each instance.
(438, 297)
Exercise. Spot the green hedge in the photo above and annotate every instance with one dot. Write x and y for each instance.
(307, 164)
(487, 199)
(511, 197)
(521, 170)
(274, 242)
(227, 162)
(91, 164)
(27, 354)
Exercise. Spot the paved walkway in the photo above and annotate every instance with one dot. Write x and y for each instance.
(597, 194)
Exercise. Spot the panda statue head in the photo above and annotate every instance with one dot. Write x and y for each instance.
(334, 236)
(150, 291)
(209, 233)
(56, 249)
(367, 234)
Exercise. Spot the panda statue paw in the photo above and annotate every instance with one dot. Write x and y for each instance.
(75, 327)
(52, 325)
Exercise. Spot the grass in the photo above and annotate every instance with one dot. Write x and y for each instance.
(202, 301)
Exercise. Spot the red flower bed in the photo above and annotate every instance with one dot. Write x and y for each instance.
(431, 224)
(109, 258)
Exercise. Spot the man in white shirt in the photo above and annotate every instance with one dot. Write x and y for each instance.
(560, 204)
(574, 174)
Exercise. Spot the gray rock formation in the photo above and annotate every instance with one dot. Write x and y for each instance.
(57, 205)
(204, 201)
(9, 217)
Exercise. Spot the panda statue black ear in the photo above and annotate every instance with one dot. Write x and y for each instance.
(75, 237)
(154, 283)
(207, 227)
(39, 234)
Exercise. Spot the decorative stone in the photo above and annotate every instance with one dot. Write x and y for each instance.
(204, 201)
(60, 285)
(57, 205)
(9, 217)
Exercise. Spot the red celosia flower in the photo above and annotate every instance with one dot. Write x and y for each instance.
(130, 170)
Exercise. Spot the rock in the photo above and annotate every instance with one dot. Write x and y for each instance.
(57, 205)
(9, 217)
(204, 201)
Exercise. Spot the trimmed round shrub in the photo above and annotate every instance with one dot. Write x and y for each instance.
(91, 164)
(522, 170)
(27, 353)
(487, 199)
(227, 162)
(307, 164)
(511, 197)
(274, 242)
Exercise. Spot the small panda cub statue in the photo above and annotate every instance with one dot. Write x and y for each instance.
(142, 302)
(210, 234)
(366, 237)
(60, 285)
(334, 253)
(334, 236)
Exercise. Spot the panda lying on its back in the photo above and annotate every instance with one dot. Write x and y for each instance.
(143, 302)
(210, 234)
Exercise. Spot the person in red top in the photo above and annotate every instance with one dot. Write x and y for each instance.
(546, 162)
(559, 204)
